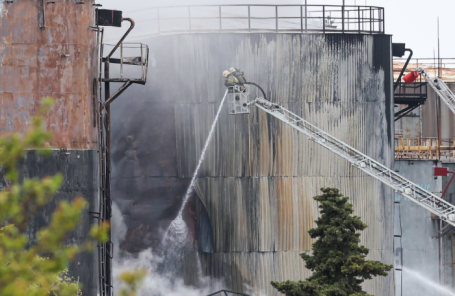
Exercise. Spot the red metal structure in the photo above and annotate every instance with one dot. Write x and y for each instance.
(444, 172)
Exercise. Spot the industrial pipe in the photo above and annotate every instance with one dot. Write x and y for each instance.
(109, 249)
(448, 184)
(123, 38)
(260, 88)
(404, 68)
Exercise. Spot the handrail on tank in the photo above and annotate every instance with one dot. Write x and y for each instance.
(267, 5)
(304, 19)
(226, 293)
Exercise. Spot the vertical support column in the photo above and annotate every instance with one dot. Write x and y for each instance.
(189, 18)
(102, 178)
(121, 61)
(107, 203)
(158, 18)
(451, 259)
(42, 14)
(323, 19)
(398, 247)
(306, 17)
(249, 18)
(358, 17)
(106, 250)
(219, 13)
(342, 18)
(371, 21)
(276, 18)
(99, 118)
(383, 20)
(142, 63)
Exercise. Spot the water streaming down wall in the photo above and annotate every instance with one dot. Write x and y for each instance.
(415, 249)
(259, 176)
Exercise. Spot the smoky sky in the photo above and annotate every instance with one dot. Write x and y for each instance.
(410, 22)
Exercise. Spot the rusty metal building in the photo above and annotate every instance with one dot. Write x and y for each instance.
(259, 176)
(47, 48)
(55, 49)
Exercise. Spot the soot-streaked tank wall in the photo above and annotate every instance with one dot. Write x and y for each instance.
(259, 175)
(48, 49)
(59, 61)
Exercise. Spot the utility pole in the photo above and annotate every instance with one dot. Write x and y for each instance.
(439, 55)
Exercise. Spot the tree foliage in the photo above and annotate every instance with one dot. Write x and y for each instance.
(39, 269)
(338, 262)
(132, 281)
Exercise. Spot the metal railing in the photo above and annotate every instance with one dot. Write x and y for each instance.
(398, 132)
(131, 57)
(429, 148)
(428, 62)
(437, 67)
(227, 293)
(408, 93)
(266, 18)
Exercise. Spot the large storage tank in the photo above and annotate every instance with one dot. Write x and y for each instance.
(259, 175)
(47, 48)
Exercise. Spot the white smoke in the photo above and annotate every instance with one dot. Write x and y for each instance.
(156, 283)
(118, 226)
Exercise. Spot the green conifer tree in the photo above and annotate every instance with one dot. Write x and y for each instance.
(338, 262)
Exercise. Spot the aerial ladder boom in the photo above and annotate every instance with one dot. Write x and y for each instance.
(406, 188)
(439, 86)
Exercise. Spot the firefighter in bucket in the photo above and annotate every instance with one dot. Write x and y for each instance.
(234, 77)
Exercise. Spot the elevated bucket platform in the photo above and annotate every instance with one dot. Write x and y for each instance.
(238, 99)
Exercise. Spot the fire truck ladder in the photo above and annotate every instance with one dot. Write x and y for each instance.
(440, 88)
(413, 192)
